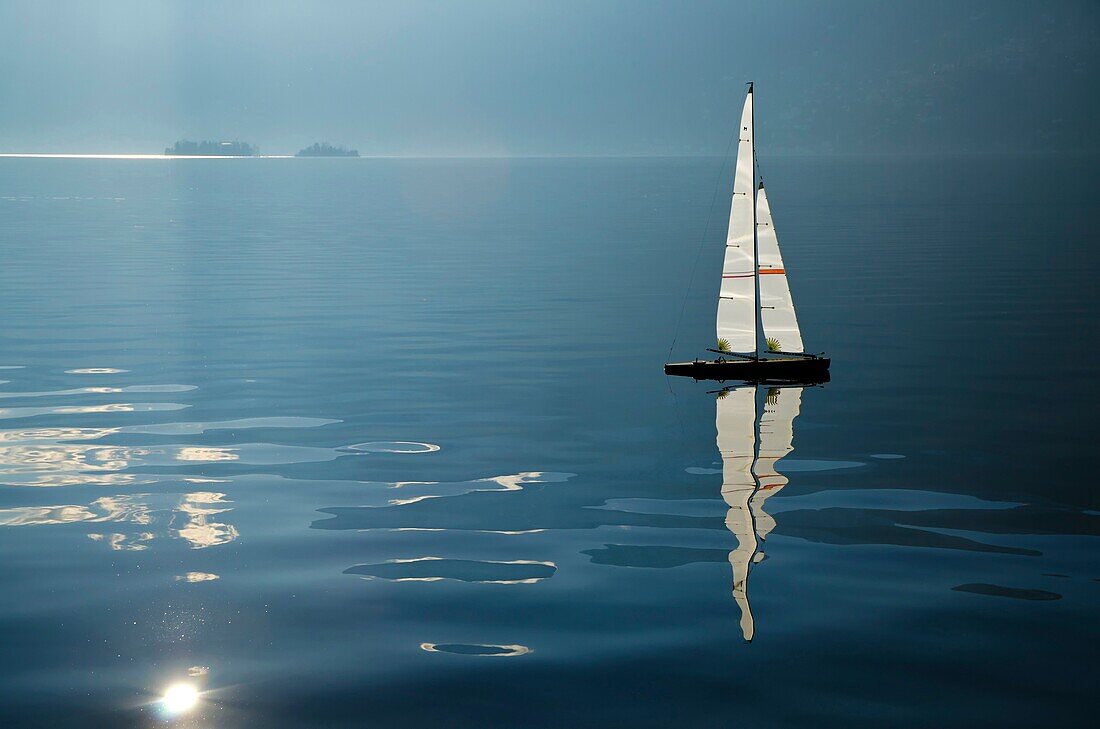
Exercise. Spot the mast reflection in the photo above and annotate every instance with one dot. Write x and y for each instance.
(751, 444)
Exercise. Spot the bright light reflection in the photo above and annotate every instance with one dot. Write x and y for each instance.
(180, 698)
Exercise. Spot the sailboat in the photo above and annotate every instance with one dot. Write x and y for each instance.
(754, 293)
(750, 448)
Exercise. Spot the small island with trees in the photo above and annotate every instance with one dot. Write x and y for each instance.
(324, 149)
(187, 148)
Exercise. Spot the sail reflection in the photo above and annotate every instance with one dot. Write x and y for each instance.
(751, 445)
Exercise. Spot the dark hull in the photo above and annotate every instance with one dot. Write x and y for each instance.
(808, 370)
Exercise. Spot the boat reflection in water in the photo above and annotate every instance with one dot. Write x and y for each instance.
(751, 444)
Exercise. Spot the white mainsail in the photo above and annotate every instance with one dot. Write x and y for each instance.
(776, 305)
(735, 418)
(736, 324)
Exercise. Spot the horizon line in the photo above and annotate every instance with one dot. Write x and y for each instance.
(139, 156)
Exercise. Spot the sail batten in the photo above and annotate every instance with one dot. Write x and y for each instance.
(777, 315)
(736, 321)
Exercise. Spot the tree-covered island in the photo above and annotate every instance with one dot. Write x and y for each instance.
(187, 148)
(324, 149)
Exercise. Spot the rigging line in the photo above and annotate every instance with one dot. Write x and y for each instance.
(756, 320)
(676, 409)
(702, 241)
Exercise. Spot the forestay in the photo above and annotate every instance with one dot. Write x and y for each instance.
(736, 324)
(776, 305)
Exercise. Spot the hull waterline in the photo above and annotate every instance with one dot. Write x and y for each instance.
(809, 370)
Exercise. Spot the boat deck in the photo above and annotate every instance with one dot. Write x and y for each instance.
(809, 370)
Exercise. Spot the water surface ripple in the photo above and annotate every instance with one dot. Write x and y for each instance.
(327, 438)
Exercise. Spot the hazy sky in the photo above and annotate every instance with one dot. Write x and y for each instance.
(560, 77)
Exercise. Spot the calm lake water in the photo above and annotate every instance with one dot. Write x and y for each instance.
(388, 443)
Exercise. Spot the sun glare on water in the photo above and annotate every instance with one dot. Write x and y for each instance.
(179, 698)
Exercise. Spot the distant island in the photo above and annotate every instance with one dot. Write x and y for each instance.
(324, 149)
(187, 148)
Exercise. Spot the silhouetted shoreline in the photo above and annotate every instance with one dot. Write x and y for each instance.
(187, 148)
(324, 149)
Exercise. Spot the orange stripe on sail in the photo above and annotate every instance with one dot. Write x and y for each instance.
(772, 270)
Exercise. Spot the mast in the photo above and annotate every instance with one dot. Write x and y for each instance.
(755, 247)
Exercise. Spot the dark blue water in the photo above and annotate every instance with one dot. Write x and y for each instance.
(388, 443)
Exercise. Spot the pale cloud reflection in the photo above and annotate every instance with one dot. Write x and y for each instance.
(198, 577)
(207, 454)
(201, 530)
(437, 489)
(50, 435)
(30, 515)
(435, 569)
(117, 407)
(477, 649)
(190, 517)
(101, 390)
(48, 464)
(114, 407)
(95, 371)
(124, 542)
(73, 391)
(62, 456)
(117, 509)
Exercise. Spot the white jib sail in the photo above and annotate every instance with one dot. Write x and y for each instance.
(781, 407)
(736, 323)
(776, 305)
(735, 419)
